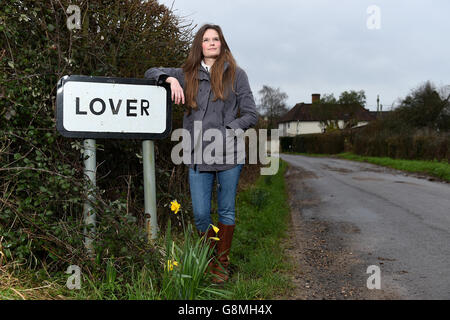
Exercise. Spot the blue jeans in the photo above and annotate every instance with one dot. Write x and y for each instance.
(201, 184)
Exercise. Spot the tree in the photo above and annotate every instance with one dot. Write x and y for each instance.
(272, 104)
(353, 97)
(424, 107)
(327, 99)
(330, 111)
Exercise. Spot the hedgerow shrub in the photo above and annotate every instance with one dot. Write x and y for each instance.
(41, 179)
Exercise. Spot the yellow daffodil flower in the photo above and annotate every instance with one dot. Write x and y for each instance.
(170, 264)
(175, 206)
(215, 228)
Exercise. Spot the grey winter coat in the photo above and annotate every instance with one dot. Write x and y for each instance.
(219, 114)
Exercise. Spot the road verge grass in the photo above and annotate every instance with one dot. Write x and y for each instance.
(257, 255)
(28, 285)
(260, 267)
(438, 169)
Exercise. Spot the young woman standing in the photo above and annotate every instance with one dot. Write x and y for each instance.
(214, 89)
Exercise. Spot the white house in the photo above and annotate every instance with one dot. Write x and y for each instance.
(300, 119)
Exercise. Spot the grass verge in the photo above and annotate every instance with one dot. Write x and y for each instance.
(28, 285)
(257, 254)
(438, 169)
(260, 268)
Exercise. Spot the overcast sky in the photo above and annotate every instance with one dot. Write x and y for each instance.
(326, 46)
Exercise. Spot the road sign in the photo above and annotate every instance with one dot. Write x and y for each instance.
(104, 107)
(122, 108)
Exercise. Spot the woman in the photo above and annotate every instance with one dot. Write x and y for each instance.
(214, 88)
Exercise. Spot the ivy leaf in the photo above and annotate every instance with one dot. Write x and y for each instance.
(24, 17)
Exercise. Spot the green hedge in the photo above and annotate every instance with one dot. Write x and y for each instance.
(417, 144)
(41, 173)
(423, 146)
(330, 143)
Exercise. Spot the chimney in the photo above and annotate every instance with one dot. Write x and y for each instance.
(315, 97)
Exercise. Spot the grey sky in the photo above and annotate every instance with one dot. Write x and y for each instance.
(325, 46)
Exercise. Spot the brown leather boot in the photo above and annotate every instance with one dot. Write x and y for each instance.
(225, 235)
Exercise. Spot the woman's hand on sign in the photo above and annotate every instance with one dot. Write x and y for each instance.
(177, 90)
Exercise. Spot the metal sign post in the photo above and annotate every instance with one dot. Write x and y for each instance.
(114, 108)
(148, 156)
(89, 216)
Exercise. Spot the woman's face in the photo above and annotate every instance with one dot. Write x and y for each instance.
(211, 44)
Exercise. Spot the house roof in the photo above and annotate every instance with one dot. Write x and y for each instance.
(302, 112)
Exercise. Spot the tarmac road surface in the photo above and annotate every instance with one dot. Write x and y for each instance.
(398, 221)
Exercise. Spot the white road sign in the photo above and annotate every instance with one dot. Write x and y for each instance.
(100, 107)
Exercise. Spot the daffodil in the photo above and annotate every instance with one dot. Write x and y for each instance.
(171, 264)
(215, 228)
(175, 206)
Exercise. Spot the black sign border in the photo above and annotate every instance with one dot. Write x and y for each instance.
(109, 135)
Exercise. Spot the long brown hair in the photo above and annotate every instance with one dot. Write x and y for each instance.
(221, 82)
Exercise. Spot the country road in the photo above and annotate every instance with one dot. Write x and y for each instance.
(364, 215)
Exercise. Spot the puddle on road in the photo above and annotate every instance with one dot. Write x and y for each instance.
(342, 170)
(380, 179)
(368, 179)
(406, 182)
